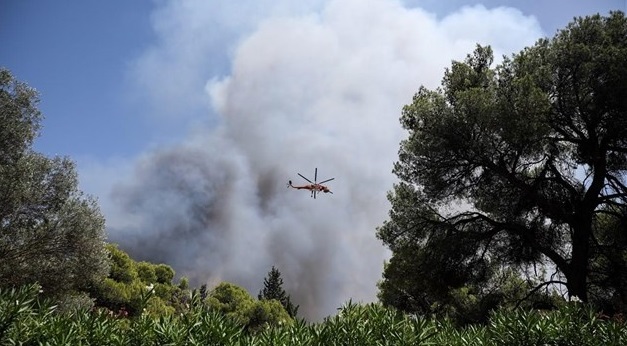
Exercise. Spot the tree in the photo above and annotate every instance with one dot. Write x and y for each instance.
(164, 273)
(130, 282)
(273, 289)
(122, 267)
(50, 233)
(515, 166)
(146, 272)
(236, 303)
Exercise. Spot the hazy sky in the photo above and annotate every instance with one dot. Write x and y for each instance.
(187, 118)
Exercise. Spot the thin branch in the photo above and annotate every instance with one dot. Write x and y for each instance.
(560, 262)
(537, 288)
(605, 198)
(615, 181)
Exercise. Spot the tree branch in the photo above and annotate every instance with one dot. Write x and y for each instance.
(538, 287)
(619, 185)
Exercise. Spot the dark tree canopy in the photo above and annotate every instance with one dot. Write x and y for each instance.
(273, 289)
(515, 165)
(50, 233)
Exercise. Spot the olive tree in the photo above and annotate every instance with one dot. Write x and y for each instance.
(50, 232)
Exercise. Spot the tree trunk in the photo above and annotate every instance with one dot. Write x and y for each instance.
(577, 275)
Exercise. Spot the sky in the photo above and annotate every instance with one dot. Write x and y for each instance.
(187, 118)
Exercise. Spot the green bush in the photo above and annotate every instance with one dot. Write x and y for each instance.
(238, 305)
(122, 266)
(164, 273)
(129, 281)
(26, 320)
(146, 272)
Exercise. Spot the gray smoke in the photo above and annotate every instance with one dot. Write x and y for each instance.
(321, 90)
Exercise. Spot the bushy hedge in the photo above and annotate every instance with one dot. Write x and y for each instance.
(25, 320)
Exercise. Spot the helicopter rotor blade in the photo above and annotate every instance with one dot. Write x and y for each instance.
(322, 182)
(302, 176)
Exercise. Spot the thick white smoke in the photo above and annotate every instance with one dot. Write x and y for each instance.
(322, 87)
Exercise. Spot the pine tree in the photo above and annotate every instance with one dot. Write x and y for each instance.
(273, 289)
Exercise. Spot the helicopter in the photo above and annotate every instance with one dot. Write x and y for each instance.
(314, 186)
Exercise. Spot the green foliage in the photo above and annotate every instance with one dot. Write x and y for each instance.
(134, 286)
(120, 296)
(232, 301)
(266, 313)
(462, 304)
(73, 302)
(164, 273)
(123, 268)
(50, 233)
(184, 283)
(146, 272)
(273, 289)
(373, 324)
(24, 320)
(156, 306)
(238, 305)
(20, 119)
(513, 166)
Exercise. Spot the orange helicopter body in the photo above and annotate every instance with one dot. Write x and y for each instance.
(314, 186)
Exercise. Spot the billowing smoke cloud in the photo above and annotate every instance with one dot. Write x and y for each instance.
(320, 88)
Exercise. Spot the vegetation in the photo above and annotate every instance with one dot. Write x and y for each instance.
(508, 174)
(237, 304)
(26, 320)
(273, 289)
(129, 282)
(512, 168)
(141, 288)
(50, 232)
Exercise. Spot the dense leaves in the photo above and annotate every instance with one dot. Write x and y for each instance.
(19, 118)
(515, 166)
(50, 233)
(134, 286)
(25, 320)
(273, 289)
(237, 304)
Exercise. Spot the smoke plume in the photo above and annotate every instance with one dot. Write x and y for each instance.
(317, 88)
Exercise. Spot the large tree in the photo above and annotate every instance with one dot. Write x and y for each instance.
(516, 165)
(50, 233)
